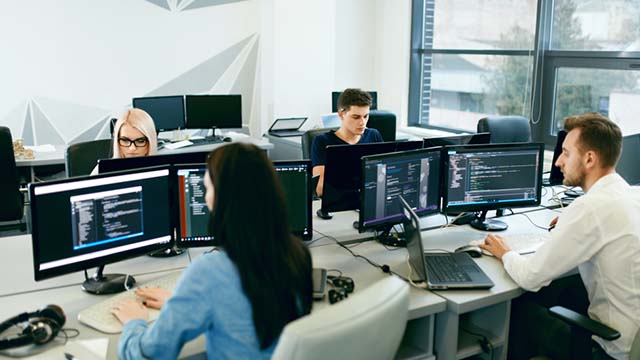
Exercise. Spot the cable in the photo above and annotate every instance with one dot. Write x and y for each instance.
(485, 344)
(534, 224)
(66, 336)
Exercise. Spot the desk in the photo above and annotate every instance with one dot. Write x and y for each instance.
(43, 158)
(262, 143)
(436, 319)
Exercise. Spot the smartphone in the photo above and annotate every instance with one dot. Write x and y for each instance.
(319, 283)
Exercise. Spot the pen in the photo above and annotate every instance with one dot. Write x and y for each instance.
(551, 227)
(70, 357)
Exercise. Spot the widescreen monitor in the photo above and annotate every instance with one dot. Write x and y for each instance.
(336, 94)
(468, 139)
(119, 164)
(213, 111)
(555, 176)
(629, 165)
(414, 175)
(87, 222)
(488, 177)
(343, 173)
(193, 214)
(167, 112)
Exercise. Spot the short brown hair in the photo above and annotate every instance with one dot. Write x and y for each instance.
(599, 134)
(353, 97)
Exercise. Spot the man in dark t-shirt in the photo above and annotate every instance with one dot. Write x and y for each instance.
(353, 109)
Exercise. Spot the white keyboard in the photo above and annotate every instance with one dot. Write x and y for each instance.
(520, 243)
(99, 316)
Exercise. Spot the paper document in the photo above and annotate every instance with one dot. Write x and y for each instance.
(177, 145)
(41, 148)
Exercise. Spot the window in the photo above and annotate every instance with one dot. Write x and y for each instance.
(472, 59)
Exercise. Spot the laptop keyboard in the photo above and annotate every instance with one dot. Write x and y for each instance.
(443, 268)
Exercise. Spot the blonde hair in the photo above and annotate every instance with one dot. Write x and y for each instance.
(140, 120)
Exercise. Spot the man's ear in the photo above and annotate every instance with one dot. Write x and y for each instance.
(590, 159)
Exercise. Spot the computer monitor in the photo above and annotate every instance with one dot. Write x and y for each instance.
(213, 111)
(167, 112)
(193, 214)
(468, 139)
(139, 162)
(343, 173)
(414, 175)
(408, 145)
(336, 94)
(555, 176)
(295, 177)
(629, 165)
(489, 177)
(87, 222)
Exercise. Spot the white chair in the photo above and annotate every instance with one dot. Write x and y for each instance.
(369, 324)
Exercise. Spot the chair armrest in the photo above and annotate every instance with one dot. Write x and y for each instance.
(584, 322)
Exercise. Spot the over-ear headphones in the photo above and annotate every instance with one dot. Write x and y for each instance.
(342, 287)
(41, 326)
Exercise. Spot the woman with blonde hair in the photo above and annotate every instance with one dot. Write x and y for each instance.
(134, 134)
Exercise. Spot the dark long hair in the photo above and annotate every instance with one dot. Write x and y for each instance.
(249, 219)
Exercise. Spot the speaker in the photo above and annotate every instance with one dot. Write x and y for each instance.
(40, 327)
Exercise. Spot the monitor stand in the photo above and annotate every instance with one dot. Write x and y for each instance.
(386, 238)
(481, 223)
(100, 283)
(172, 251)
(214, 137)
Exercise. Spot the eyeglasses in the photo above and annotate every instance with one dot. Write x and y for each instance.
(139, 142)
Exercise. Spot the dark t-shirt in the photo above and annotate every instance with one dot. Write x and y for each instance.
(320, 143)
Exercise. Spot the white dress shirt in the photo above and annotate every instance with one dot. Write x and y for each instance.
(600, 234)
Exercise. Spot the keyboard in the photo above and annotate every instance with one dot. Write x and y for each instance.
(520, 243)
(443, 268)
(99, 316)
(207, 140)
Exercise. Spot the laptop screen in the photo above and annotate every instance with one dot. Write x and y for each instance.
(414, 242)
(287, 124)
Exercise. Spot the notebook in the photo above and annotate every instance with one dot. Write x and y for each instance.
(287, 127)
(440, 271)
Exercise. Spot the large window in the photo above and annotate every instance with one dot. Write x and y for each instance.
(472, 59)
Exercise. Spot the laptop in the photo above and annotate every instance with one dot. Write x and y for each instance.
(440, 271)
(287, 127)
(330, 121)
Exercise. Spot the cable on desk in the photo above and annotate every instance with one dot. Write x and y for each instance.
(63, 334)
(534, 224)
(421, 285)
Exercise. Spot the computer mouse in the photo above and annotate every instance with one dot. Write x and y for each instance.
(473, 251)
(227, 139)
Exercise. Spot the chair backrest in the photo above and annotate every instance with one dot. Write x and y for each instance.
(82, 157)
(11, 200)
(367, 325)
(506, 129)
(384, 122)
(307, 140)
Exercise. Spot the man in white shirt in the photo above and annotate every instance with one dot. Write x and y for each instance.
(599, 233)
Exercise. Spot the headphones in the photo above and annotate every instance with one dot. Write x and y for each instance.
(342, 287)
(41, 327)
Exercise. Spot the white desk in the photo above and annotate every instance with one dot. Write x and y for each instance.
(43, 158)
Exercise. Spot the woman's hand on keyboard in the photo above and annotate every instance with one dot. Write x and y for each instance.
(495, 245)
(153, 297)
(130, 309)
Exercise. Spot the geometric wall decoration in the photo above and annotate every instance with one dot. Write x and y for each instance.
(245, 82)
(204, 3)
(161, 3)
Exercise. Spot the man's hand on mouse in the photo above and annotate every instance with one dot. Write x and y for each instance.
(495, 245)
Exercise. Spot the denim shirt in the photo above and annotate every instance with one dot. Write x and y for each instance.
(208, 299)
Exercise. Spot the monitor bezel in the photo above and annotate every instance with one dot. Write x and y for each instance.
(158, 129)
(106, 166)
(309, 194)
(458, 137)
(400, 216)
(494, 205)
(91, 263)
(199, 125)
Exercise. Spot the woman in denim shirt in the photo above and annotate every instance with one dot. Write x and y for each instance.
(241, 297)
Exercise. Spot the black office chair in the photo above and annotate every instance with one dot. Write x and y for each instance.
(307, 140)
(384, 122)
(11, 199)
(583, 327)
(82, 157)
(506, 129)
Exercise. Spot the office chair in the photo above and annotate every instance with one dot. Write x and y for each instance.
(506, 129)
(384, 122)
(82, 157)
(11, 199)
(583, 327)
(367, 325)
(307, 140)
